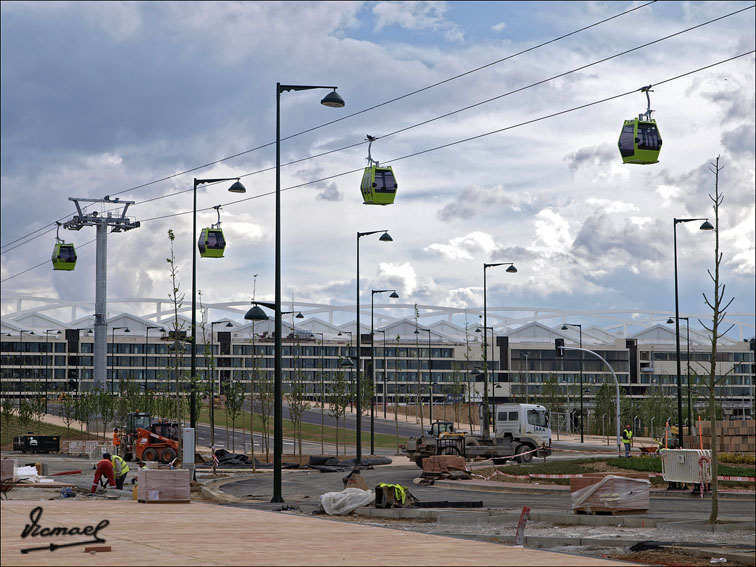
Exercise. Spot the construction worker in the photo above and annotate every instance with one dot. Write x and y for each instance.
(627, 438)
(116, 438)
(104, 468)
(120, 469)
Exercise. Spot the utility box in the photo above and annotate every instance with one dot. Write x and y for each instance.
(686, 465)
(188, 449)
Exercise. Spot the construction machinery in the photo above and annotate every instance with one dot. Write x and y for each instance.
(146, 440)
(521, 432)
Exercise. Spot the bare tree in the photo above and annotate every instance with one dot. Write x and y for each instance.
(719, 312)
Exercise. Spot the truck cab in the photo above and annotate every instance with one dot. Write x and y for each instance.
(515, 421)
(442, 429)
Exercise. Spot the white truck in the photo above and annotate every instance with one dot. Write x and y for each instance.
(520, 431)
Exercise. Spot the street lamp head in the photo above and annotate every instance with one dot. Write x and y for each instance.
(706, 226)
(299, 315)
(478, 330)
(333, 99)
(564, 327)
(126, 330)
(256, 314)
(511, 269)
(392, 296)
(229, 324)
(237, 188)
(386, 237)
(670, 321)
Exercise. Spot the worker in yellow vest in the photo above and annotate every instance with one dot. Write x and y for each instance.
(627, 438)
(120, 470)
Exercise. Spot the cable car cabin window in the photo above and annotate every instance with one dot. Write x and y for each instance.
(648, 136)
(67, 254)
(627, 141)
(384, 181)
(215, 240)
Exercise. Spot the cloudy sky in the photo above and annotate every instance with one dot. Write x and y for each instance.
(135, 99)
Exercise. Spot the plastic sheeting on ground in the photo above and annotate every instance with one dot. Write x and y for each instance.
(346, 501)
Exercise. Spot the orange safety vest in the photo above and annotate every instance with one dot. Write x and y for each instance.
(116, 439)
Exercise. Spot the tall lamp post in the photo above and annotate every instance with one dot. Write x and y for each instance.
(385, 403)
(212, 382)
(394, 295)
(47, 357)
(385, 237)
(333, 100)
(430, 375)
(493, 352)
(146, 345)
(113, 355)
(322, 395)
(580, 327)
(705, 226)
(512, 270)
(349, 357)
(687, 342)
(237, 187)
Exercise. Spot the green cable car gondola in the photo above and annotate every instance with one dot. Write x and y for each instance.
(64, 255)
(378, 185)
(640, 141)
(211, 242)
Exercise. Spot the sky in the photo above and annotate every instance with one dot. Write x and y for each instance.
(135, 99)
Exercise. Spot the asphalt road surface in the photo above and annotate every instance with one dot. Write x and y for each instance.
(306, 487)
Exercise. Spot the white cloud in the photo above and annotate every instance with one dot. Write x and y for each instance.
(473, 245)
(501, 26)
(552, 230)
(417, 16)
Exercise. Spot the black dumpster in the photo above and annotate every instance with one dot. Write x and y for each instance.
(37, 443)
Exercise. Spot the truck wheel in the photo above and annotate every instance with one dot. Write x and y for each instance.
(150, 454)
(523, 458)
(471, 442)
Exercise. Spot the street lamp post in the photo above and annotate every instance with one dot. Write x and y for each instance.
(113, 355)
(146, 345)
(385, 237)
(511, 269)
(430, 375)
(687, 342)
(20, 361)
(385, 402)
(705, 226)
(580, 327)
(212, 382)
(47, 357)
(322, 395)
(237, 187)
(394, 295)
(333, 100)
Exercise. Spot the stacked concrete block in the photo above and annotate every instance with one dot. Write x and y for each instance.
(8, 471)
(163, 485)
(733, 436)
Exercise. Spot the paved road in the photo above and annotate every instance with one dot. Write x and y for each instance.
(302, 487)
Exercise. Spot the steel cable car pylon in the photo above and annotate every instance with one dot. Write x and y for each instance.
(640, 141)
(378, 185)
(211, 242)
(64, 255)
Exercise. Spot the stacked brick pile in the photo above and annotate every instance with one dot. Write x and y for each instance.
(443, 463)
(734, 436)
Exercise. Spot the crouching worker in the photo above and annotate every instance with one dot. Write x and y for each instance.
(120, 469)
(104, 468)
